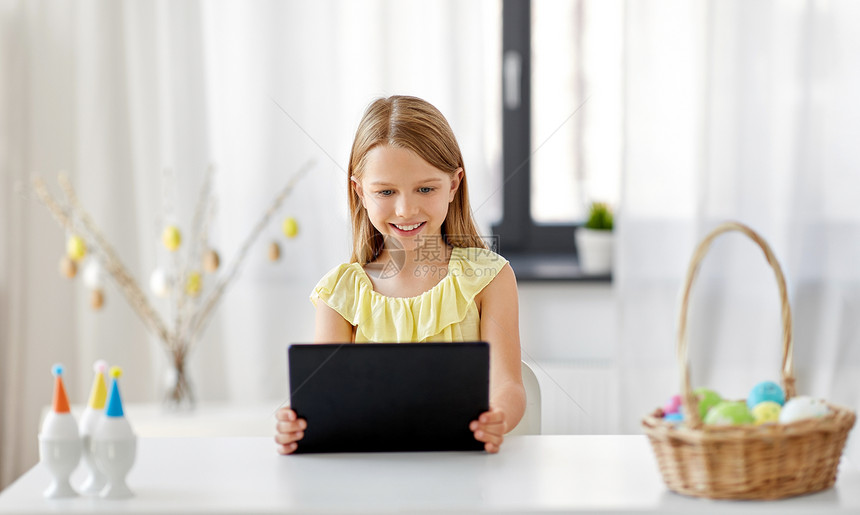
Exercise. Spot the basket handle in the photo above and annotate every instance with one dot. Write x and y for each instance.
(691, 411)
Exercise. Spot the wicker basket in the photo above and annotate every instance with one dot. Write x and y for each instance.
(746, 462)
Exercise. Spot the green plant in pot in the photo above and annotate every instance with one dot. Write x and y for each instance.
(595, 240)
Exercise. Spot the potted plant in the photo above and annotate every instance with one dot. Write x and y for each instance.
(594, 240)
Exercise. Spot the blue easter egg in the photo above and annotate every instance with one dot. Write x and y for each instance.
(673, 417)
(765, 391)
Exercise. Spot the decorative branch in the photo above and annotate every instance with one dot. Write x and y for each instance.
(214, 298)
(114, 266)
(190, 315)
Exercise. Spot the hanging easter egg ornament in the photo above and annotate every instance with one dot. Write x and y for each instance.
(171, 238)
(159, 283)
(290, 227)
(274, 251)
(76, 249)
(192, 286)
(97, 299)
(68, 268)
(211, 261)
(93, 276)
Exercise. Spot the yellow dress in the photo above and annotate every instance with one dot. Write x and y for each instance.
(446, 312)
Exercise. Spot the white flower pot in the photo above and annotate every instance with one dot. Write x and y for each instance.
(595, 250)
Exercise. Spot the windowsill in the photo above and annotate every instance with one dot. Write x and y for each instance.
(534, 267)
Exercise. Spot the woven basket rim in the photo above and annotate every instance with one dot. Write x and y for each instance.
(840, 418)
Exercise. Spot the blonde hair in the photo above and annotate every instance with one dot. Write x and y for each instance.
(413, 124)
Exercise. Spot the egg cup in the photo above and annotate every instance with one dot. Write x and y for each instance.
(60, 457)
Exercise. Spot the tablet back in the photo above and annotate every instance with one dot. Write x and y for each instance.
(374, 397)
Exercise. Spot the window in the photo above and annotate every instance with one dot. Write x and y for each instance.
(561, 94)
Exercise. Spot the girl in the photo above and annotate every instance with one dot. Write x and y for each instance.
(419, 271)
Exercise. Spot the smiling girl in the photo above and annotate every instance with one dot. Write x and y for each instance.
(419, 270)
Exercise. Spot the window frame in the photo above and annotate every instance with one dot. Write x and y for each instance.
(536, 251)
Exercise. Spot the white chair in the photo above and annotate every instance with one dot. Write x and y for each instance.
(530, 423)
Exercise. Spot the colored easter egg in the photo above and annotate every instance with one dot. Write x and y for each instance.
(673, 405)
(211, 261)
(274, 251)
(93, 276)
(97, 299)
(707, 400)
(193, 284)
(729, 413)
(171, 238)
(76, 248)
(675, 418)
(159, 283)
(766, 412)
(290, 227)
(765, 391)
(802, 407)
(68, 268)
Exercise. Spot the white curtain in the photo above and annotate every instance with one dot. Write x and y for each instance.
(741, 110)
(116, 92)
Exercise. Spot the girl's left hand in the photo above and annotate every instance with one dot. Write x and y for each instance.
(490, 428)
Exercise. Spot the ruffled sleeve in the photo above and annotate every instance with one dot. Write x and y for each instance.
(348, 290)
(341, 290)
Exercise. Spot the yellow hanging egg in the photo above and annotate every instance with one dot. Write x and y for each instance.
(97, 299)
(290, 227)
(68, 268)
(76, 249)
(274, 251)
(211, 261)
(193, 284)
(171, 238)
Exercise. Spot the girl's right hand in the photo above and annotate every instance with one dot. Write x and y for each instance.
(288, 430)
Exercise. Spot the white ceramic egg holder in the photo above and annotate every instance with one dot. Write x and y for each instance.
(114, 448)
(95, 481)
(60, 451)
(109, 452)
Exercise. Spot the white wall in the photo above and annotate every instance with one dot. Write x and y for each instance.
(567, 321)
(568, 335)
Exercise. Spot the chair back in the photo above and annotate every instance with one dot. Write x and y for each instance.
(530, 423)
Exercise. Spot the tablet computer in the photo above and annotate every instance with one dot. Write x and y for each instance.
(385, 397)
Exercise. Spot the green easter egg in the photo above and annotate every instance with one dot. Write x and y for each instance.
(707, 400)
(729, 413)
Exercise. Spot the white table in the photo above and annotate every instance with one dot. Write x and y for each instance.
(206, 419)
(612, 474)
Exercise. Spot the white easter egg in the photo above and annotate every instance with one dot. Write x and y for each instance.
(159, 283)
(93, 276)
(802, 407)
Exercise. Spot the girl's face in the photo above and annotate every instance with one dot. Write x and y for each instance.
(405, 197)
